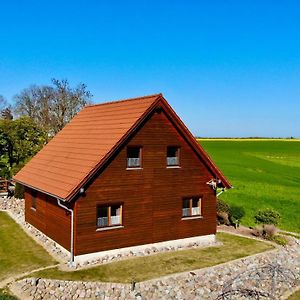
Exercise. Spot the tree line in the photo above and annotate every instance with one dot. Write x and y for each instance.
(36, 115)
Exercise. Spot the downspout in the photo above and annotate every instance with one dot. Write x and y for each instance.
(71, 262)
(222, 191)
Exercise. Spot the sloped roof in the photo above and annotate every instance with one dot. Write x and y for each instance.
(83, 145)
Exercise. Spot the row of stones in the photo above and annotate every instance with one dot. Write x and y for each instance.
(145, 252)
(273, 273)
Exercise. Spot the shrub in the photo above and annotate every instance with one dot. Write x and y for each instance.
(236, 214)
(19, 191)
(278, 239)
(267, 216)
(222, 206)
(223, 218)
(269, 230)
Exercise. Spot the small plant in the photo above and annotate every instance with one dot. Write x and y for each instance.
(223, 210)
(222, 206)
(278, 239)
(267, 216)
(223, 218)
(236, 214)
(19, 191)
(269, 230)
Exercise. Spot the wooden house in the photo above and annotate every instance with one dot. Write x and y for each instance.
(121, 174)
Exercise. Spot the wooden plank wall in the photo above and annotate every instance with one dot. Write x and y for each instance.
(48, 217)
(151, 197)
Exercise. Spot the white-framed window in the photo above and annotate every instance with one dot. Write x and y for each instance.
(109, 215)
(134, 157)
(191, 206)
(173, 156)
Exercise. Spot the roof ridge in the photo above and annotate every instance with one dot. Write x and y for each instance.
(123, 100)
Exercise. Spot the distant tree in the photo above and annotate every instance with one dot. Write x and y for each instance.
(20, 139)
(52, 107)
(5, 109)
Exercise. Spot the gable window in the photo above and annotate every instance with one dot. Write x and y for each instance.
(172, 156)
(191, 207)
(33, 199)
(134, 157)
(108, 216)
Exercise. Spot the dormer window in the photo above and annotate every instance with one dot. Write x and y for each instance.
(134, 157)
(173, 156)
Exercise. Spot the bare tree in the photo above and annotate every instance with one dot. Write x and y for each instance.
(5, 109)
(52, 107)
(67, 102)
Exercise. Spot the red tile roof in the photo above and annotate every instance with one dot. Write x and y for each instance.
(78, 150)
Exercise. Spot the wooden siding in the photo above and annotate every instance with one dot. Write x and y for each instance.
(48, 218)
(151, 197)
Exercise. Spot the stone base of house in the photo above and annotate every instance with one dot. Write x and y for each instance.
(143, 250)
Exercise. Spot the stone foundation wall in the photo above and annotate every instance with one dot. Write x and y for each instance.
(258, 272)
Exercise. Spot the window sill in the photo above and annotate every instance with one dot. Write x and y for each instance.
(137, 168)
(191, 218)
(173, 167)
(110, 228)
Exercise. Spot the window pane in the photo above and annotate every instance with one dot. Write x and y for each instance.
(195, 202)
(186, 207)
(195, 206)
(172, 156)
(102, 211)
(133, 152)
(133, 157)
(102, 216)
(172, 151)
(115, 214)
(186, 203)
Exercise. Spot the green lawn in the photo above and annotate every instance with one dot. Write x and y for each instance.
(144, 268)
(18, 252)
(295, 296)
(5, 295)
(264, 173)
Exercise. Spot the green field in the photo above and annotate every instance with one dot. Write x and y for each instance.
(264, 173)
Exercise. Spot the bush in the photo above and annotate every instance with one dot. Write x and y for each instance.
(278, 239)
(236, 214)
(19, 191)
(223, 218)
(222, 206)
(267, 216)
(269, 230)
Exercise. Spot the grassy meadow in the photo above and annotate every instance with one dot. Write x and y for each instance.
(264, 173)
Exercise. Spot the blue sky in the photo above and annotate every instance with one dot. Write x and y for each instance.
(229, 68)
